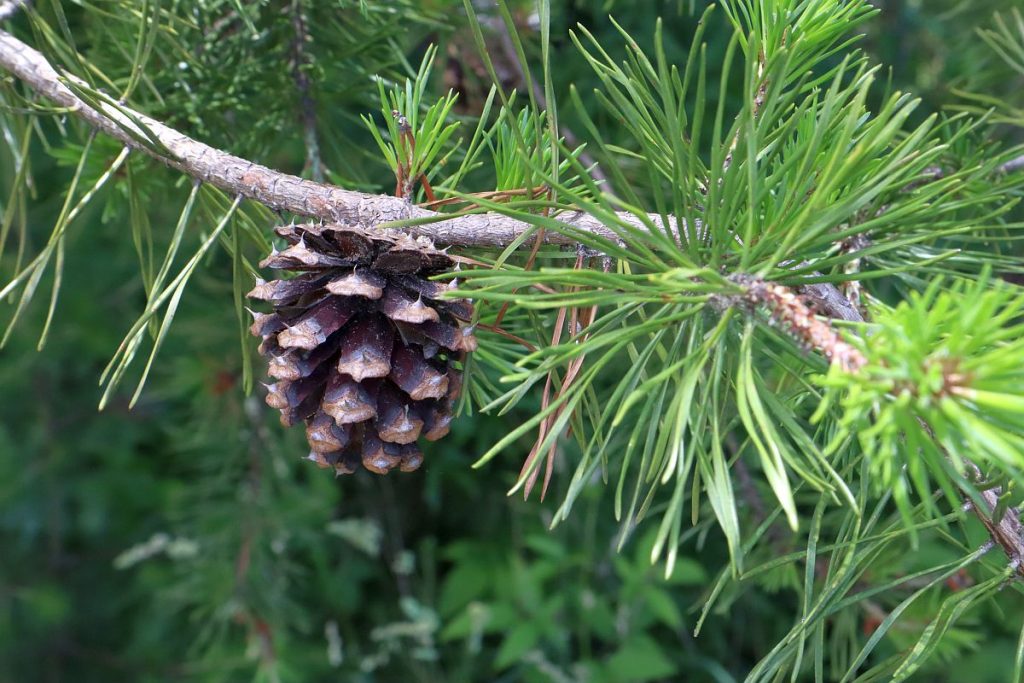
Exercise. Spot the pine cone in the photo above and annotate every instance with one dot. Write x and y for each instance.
(364, 349)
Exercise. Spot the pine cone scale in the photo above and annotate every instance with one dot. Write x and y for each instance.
(312, 328)
(416, 376)
(349, 401)
(398, 305)
(368, 285)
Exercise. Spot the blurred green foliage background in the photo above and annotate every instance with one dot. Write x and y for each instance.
(186, 539)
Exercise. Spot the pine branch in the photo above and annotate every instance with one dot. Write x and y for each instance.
(1007, 532)
(285, 192)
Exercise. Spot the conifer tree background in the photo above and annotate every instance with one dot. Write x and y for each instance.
(747, 315)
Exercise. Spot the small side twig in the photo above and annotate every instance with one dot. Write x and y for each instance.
(852, 287)
(404, 174)
(859, 242)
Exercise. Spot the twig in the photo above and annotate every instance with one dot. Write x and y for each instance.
(796, 318)
(1008, 532)
(307, 104)
(852, 286)
(830, 302)
(854, 244)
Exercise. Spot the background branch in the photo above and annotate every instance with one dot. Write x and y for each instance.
(510, 56)
(307, 104)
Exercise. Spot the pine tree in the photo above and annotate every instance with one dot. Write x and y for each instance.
(752, 314)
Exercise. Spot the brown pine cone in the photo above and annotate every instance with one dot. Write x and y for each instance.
(364, 348)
